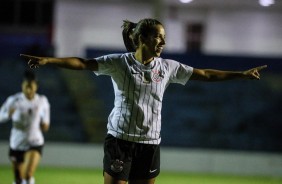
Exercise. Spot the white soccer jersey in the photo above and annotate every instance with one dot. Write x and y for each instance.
(139, 90)
(26, 119)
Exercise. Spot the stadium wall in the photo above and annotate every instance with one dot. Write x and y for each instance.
(227, 31)
(172, 159)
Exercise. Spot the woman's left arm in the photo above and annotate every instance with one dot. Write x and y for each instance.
(45, 121)
(220, 75)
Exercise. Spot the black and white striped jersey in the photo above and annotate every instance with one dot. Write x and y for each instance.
(139, 90)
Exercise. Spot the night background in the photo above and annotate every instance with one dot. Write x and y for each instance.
(233, 115)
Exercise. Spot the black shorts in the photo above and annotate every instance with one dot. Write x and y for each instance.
(39, 149)
(18, 155)
(126, 160)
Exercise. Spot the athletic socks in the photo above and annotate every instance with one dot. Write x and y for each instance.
(30, 181)
(23, 182)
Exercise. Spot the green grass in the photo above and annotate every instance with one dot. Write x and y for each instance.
(51, 175)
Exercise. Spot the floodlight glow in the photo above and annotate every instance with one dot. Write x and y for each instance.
(266, 2)
(185, 1)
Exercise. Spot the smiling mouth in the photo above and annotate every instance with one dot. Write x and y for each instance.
(159, 49)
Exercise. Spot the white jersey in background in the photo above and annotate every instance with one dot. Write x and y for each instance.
(139, 90)
(26, 119)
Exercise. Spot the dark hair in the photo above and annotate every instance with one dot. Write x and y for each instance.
(29, 75)
(132, 31)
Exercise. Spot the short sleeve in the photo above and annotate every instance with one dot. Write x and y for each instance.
(180, 73)
(106, 64)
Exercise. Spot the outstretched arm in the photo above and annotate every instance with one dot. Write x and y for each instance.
(219, 75)
(73, 63)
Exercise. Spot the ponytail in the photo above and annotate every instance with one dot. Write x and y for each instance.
(127, 35)
(132, 31)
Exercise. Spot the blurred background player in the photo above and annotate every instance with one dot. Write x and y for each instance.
(29, 113)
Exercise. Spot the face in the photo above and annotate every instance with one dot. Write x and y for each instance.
(155, 42)
(29, 88)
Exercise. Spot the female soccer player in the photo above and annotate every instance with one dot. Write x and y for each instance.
(139, 77)
(30, 115)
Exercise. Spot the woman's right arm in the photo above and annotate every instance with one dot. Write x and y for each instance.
(73, 63)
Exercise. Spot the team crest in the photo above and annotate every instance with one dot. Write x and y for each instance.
(117, 166)
(157, 76)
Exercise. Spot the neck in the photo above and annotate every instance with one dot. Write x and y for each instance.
(29, 97)
(142, 57)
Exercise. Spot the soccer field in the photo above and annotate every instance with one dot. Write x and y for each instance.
(48, 175)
